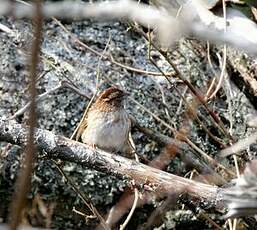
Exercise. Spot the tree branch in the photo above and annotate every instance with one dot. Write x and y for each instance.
(63, 148)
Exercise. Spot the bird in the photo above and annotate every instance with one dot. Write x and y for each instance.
(107, 124)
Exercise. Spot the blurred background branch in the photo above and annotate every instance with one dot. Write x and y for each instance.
(182, 18)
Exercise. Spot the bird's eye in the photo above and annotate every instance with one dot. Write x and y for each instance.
(113, 95)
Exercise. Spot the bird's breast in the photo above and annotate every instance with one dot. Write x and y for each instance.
(107, 130)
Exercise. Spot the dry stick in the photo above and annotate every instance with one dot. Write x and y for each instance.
(23, 182)
(153, 96)
(136, 192)
(6, 29)
(214, 117)
(108, 57)
(39, 77)
(188, 141)
(158, 214)
(213, 71)
(132, 210)
(165, 140)
(181, 101)
(65, 149)
(216, 139)
(203, 126)
(204, 215)
(211, 160)
(175, 132)
(84, 199)
(210, 220)
(42, 96)
(67, 83)
(74, 88)
(70, 82)
(163, 100)
(223, 70)
(231, 122)
(83, 214)
(181, 146)
(38, 99)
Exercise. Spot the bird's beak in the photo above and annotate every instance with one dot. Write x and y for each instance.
(125, 94)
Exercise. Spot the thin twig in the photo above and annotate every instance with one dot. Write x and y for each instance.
(216, 139)
(209, 91)
(189, 142)
(198, 95)
(222, 75)
(132, 210)
(136, 192)
(108, 57)
(37, 100)
(44, 95)
(223, 69)
(204, 215)
(82, 197)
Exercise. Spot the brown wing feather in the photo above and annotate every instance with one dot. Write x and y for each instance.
(82, 127)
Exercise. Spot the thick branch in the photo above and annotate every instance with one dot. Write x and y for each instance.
(63, 148)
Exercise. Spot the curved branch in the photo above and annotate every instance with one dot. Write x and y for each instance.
(63, 148)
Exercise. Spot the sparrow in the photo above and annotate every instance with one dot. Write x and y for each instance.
(107, 124)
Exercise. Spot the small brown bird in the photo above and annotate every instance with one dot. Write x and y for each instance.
(107, 124)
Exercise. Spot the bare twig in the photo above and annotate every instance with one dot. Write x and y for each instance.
(136, 192)
(223, 67)
(217, 121)
(23, 183)
(239, 146)
(43, 96)
(108, 57)
(82, 196)
(37, 99)
(205, 216)
(136, 196)
(190, 108)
